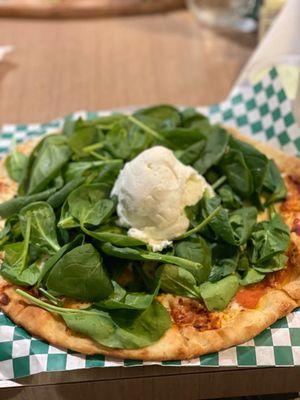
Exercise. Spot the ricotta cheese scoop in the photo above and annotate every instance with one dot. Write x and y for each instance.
(153, 190)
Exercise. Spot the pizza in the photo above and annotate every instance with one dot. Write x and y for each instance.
(75, 274)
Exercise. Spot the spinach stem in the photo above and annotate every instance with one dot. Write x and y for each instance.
(26, 244)
(92, 147)
(65, 222)
(51, 307)
(50, 297)
(201, 225)
(219, 182)
(97, 155)
(146, 128)
(271, 211)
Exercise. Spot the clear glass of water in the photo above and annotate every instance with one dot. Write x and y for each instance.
(226, 14)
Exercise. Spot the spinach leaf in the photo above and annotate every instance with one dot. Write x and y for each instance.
(268, 239)
(192, 153)
(79, 169)
(113, 235)
(28, 277)
(15, 267)
(120, 299)
(16, 164)
(238, 174)
(88, 204)
(14, 205)
(254, 159)
(58, 198)
(80, 274)
(223, 268)
(274, 184)
(180, 138)
(252, 276)
(220, 223)
(84, 137)
(42, 225)
(235, 227)
(215, 147)
(217, 296)
(124, 330)
(49, 264)
(276, 263)
(128, 253)
(48, 161)
(197, 250)
(229, 199)
(126, 140)
(164, 116)
(11, 231)
(242, 222)
(178, 281)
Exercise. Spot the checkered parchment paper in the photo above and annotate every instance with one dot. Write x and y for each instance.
(262, 111)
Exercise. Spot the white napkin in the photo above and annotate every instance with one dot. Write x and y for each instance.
(281, 45)
(281, 48)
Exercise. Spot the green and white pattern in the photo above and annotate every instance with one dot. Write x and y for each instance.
(262, 111)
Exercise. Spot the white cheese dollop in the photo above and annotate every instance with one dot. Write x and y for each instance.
(153, 190)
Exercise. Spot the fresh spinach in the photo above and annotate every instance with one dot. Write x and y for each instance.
(273, 184)
(58, 198)
(215, 147)
(48, 161)
(268, 239)
(80, 274)
(178, 281)
(42, 225)
(51, 261)
(88, 204)
(14, 205)
(16, 164)
(124, 330)
(84, 137)
(128, 253)
(122, 300)
(238, 174)
(164, 116)
(113, 235)
(251, 276)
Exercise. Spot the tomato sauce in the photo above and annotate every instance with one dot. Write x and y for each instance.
(249, 297)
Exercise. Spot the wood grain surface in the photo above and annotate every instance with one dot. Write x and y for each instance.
(83, 8)
(61, 66)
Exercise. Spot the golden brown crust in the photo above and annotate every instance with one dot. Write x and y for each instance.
(196, 332)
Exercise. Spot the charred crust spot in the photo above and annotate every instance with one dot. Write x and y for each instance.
(4, 299)
(191, 312)
(295, 180)
(296, 226)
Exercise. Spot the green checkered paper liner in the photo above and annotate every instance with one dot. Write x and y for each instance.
(262, 111)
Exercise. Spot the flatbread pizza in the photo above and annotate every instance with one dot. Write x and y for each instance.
(155, 236)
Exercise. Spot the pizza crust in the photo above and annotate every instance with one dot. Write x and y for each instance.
(237, 325)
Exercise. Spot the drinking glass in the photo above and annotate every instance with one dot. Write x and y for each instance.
(227, 14)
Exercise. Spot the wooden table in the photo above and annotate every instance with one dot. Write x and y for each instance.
(62, 66)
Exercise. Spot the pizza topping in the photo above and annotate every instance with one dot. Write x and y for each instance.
(249, 297)
(190, 312)
(296, 181)
(4, 299)
(183, 180)
(217, 296)
(296, 226)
